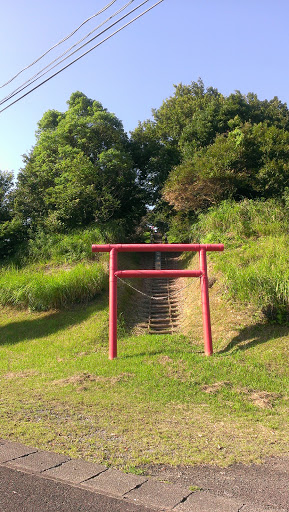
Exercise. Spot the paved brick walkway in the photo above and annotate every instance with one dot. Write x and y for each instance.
(134, 489)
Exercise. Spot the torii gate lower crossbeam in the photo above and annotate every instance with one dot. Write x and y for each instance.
(114, 273)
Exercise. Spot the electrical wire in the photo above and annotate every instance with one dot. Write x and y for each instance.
(49, 66)
(59, 42)
(85, 53)
(20, 89)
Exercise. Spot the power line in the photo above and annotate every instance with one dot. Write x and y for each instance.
(49, 66)
(85, 53)
(59, 42)
(20, 89)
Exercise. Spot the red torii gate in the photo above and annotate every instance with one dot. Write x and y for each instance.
(114, 273)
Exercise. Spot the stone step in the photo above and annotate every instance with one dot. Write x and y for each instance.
(160, 302)
(160, 327)
(166, 331)
(166, 327)
(163, 311)
(160, 314)
(160, 307)
(158, 320)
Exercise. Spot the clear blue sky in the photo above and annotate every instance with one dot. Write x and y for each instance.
(230, 44)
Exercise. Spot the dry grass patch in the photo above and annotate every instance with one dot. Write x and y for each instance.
(84, 378)
(214, 388)
(177, 369)
(19, 375)
(263, 399)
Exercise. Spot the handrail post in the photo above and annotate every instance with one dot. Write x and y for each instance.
(112, 304)
(205, 304)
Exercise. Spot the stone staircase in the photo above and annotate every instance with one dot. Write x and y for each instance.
(163, 306)
(155, 310)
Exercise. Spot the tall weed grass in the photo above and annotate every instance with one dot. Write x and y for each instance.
(258, 273)
(41, 290)
(255, 261)
(57, 270)
(234, 223)
(71, 247)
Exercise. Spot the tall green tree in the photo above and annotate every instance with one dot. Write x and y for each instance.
(79, 171)
(6, 186)
(208, 147)
(12, 231)
(251, 161)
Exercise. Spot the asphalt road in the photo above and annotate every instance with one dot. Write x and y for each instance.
(23, 492)
(264, 486)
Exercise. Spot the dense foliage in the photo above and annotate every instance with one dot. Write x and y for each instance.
(224, 178)
(206, 167)
(199, 149)
(79, 171)
(250, 161)
(202, 147)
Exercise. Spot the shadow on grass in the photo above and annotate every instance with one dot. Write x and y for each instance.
(25, 330)
(254, 335)
(147, 353)
(157, 345)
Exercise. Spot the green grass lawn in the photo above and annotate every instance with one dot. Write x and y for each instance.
(160, 402)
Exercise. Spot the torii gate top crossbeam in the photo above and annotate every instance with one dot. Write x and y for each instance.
(157, 247)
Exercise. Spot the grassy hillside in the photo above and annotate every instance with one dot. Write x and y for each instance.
(254, 264)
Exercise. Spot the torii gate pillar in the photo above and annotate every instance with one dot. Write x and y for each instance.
(112, 304)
